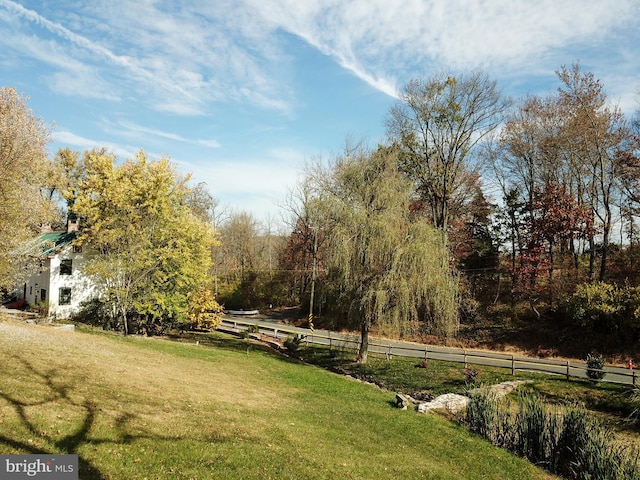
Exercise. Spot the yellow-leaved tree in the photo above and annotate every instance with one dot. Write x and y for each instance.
(24, 170)
(152, 250)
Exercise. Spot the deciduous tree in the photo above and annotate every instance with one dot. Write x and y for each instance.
(24, 203)
(153, 251)
(437, 123)
(597, 134)
(390, 267)
(568, 151)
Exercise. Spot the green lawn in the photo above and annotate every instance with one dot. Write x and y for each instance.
(407, 375)
(136, 408)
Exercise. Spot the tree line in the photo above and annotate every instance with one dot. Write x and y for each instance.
(472, 198)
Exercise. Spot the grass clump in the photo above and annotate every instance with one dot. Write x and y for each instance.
(566, 441)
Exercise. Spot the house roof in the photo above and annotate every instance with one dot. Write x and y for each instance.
(47, 244)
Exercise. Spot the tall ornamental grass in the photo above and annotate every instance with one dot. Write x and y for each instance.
(566, 441)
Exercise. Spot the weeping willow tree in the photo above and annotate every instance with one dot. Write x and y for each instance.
(390, 266)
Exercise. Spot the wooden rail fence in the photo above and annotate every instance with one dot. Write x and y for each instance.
(567, 368)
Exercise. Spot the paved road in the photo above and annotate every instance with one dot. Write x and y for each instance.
(414, 350)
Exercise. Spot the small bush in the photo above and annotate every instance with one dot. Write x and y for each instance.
(253, 328)
(292, 343)
(471, 376)
(204, 312)
(595, 365)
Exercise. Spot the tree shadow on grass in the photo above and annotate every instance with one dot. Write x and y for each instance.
(230, 342)
(59, 389)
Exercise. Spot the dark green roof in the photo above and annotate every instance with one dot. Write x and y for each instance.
(47, 244)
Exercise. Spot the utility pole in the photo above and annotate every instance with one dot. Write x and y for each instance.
(313, 276)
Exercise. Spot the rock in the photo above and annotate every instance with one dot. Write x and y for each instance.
(502, 389)
(451, 402)
(402, 401)
(455, 403)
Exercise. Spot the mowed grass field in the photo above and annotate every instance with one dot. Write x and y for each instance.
(150, 408)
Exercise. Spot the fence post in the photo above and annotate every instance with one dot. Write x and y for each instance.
(275, 332)
(513, 366)
(426, 353)
(634, 378)
(568, 374)
(329, 340)
(464, 353)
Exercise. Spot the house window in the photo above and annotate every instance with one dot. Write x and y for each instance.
(65, 267)
(43, 294)
(65, 296)
(30, 289)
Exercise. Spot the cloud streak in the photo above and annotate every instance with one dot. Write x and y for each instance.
(83, 143)
(134, 130)
(381, 41)
(93, 48)
(193, 57)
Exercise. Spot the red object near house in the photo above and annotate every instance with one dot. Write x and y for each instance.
(17, 305)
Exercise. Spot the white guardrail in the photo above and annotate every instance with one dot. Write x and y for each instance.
(390, 348)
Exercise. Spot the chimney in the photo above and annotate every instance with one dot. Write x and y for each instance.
(72, 224)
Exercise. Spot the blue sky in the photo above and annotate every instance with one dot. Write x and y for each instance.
(241, 93)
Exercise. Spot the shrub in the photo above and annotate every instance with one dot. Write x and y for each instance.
(595, 305)
(468, 309)
(204, 312)
(292, 343)
(253, 328)
(249, 330)
(595, 365)
(606, 308)
(471, 376)
(95, 313)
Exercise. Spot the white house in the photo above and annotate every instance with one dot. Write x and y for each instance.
(56, 276)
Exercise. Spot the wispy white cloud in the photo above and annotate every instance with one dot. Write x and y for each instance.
(134, 130)
(71, 77)
(77, 142)
(93, 48)
(175, 61)
(224, 58)
(187, 57)
(382, 42)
